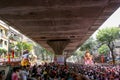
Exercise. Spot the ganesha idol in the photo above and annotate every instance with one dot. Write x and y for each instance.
(88, 58)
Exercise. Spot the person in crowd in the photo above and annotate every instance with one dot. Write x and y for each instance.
(14, 74)
(23, 73)
(25, 58)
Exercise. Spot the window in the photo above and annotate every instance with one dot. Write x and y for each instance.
(1, 30)
(1, 42)
(5, 42)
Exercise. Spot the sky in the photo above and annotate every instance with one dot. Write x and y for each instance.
(112, 21)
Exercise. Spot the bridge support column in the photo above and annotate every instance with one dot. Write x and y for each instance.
(58, 46)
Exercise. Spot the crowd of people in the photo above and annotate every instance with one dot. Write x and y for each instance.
(54, 71)
(100, 72)
(49, 71)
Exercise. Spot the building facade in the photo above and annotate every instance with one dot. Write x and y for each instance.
(3, 37)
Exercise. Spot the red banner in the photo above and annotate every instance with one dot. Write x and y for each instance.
(8, 58)
(12, 53)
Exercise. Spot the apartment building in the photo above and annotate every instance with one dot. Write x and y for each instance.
(3, 37)
(8, 35)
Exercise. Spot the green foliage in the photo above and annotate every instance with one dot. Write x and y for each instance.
(90, 44)
(78, 53)
(108, 35)
(11, 45)
(49, 53)
(19, 46)
(104, 49)
(46, 53)
(24, 46)
(3, 51)
(27, 46)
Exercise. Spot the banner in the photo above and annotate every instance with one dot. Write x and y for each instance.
(60, 59)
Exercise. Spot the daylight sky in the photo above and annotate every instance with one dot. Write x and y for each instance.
(112, 21)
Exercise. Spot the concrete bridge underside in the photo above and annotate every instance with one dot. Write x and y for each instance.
(61, 24)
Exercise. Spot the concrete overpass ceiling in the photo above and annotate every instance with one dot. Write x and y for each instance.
(44, 20)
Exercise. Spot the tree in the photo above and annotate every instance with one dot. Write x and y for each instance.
(21, 46)
(90, 45)
(108, 36)
(43, 51)
(27, 46)
(46, 54)
(3, 51)
(104, 49)
(78, 54)
(50, 55)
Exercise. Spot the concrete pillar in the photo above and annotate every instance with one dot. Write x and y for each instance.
(58, 46)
